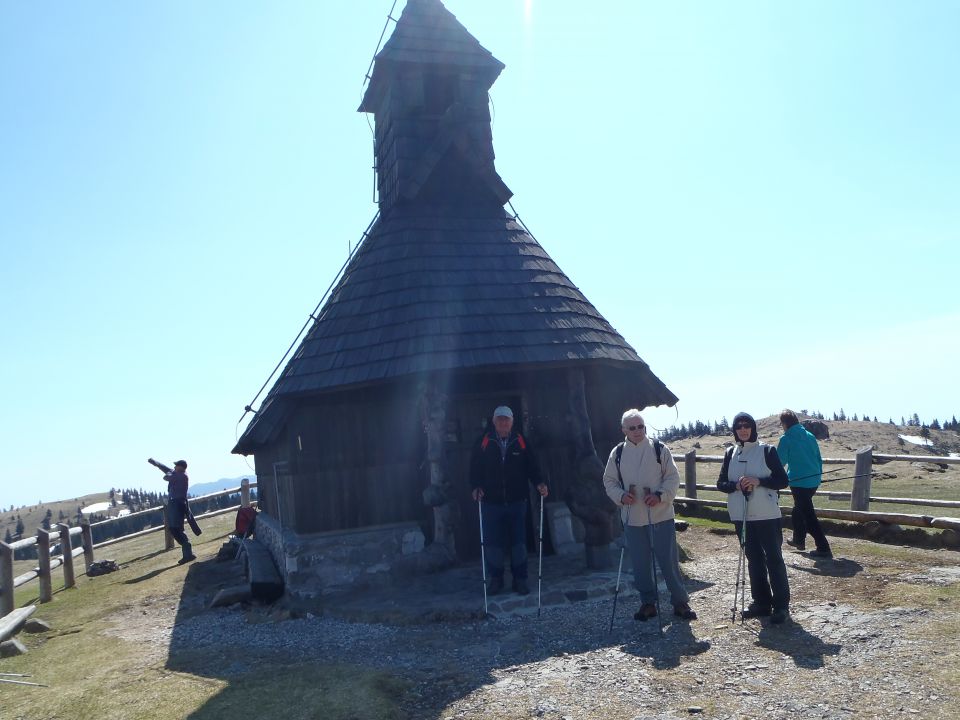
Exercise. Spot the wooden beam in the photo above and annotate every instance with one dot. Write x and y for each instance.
(11, 623)
(860, 499)
(690, 473)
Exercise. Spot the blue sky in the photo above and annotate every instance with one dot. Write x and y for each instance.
(762, 197)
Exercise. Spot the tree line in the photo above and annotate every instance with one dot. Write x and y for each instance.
(134, 500)
(700, 428)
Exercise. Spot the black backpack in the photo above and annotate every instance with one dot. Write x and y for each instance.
(657, 446)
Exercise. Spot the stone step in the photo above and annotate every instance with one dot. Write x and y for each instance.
(262, 574)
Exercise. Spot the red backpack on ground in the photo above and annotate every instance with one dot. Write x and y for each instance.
(246, 519)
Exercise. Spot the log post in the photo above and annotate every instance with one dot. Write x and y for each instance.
(43, 565)
(245, 493)
(66, 545)
(587, 498)
(690, 473)
(860, 497)
(438, 495)
(167, 537)
(86, 535)
(6, 579)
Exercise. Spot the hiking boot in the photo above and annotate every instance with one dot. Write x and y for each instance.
(496, 585)
(755, 611)
(801, 546)
(822, 554)
(520, 586)
(683, 611)
(189, 558)
(779, 617)
(646, 611)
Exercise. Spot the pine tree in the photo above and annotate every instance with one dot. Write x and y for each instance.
(8, 538)
(935, 425)
(19, 530)
(854, 419)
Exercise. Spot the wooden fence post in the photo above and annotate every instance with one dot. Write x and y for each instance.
(245, 493)
(43, 565)
(690, 473)
(860, 496)
(86, 535)
(6, 579)
(167, 537)
(66, 547)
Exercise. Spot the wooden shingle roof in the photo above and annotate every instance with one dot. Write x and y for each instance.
(440, 291)
(446, 280)
(428, 34)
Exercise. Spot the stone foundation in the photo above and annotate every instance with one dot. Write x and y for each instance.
(320, 563)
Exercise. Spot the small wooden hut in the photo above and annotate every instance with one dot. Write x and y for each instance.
(448, 309)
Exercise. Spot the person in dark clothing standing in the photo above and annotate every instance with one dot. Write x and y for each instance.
(501, 465)
(177, 484)
(800, 455)
(752, 476)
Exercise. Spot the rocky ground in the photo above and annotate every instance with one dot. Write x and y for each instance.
(873, 635)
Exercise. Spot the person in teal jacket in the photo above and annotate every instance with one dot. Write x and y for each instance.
(800, 455)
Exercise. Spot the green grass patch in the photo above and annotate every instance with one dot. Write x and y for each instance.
(94, 674)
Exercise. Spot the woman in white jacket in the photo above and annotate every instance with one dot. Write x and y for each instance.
(642, 479)
(752, 475)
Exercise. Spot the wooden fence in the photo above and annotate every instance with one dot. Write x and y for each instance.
(860, 497)
(46, 539)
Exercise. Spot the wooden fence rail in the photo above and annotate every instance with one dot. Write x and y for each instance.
(860, 497)
(45, 540)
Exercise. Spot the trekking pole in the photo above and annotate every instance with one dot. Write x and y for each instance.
(653, 560)
(736, 586)
(812, 475)
(623, 539)
(743, 555)
(540, 566)
(483, 557)
(740, 584)
(852, 477)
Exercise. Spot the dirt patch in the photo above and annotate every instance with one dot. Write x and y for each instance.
(866, 640)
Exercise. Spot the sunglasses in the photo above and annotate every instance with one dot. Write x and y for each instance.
(634, 428)
(741, 426)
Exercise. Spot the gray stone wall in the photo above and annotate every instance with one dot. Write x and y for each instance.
(316, 564)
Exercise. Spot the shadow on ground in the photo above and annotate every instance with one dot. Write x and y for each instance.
(807, 650)
(412, 631)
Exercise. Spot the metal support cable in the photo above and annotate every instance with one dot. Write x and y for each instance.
(313, 317)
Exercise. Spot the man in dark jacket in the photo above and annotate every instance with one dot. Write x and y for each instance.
(500, 468)
(177, 485)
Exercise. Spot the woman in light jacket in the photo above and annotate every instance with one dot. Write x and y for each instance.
(752, 475)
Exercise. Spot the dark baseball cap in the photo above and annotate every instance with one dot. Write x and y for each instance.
(178, 463)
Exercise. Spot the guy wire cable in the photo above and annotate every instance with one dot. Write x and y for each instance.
(314, 317)
(353, 251)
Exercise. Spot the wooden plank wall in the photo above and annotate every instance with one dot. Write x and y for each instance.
(357, 459)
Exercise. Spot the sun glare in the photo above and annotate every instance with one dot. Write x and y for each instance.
(527, 10)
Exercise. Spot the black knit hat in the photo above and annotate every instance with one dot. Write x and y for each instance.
(748, 418)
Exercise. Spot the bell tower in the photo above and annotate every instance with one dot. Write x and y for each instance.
(428, 96)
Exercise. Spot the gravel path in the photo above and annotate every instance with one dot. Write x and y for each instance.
(851, 650)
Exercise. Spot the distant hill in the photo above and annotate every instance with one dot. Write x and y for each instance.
(60, 510)
(197, 489)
